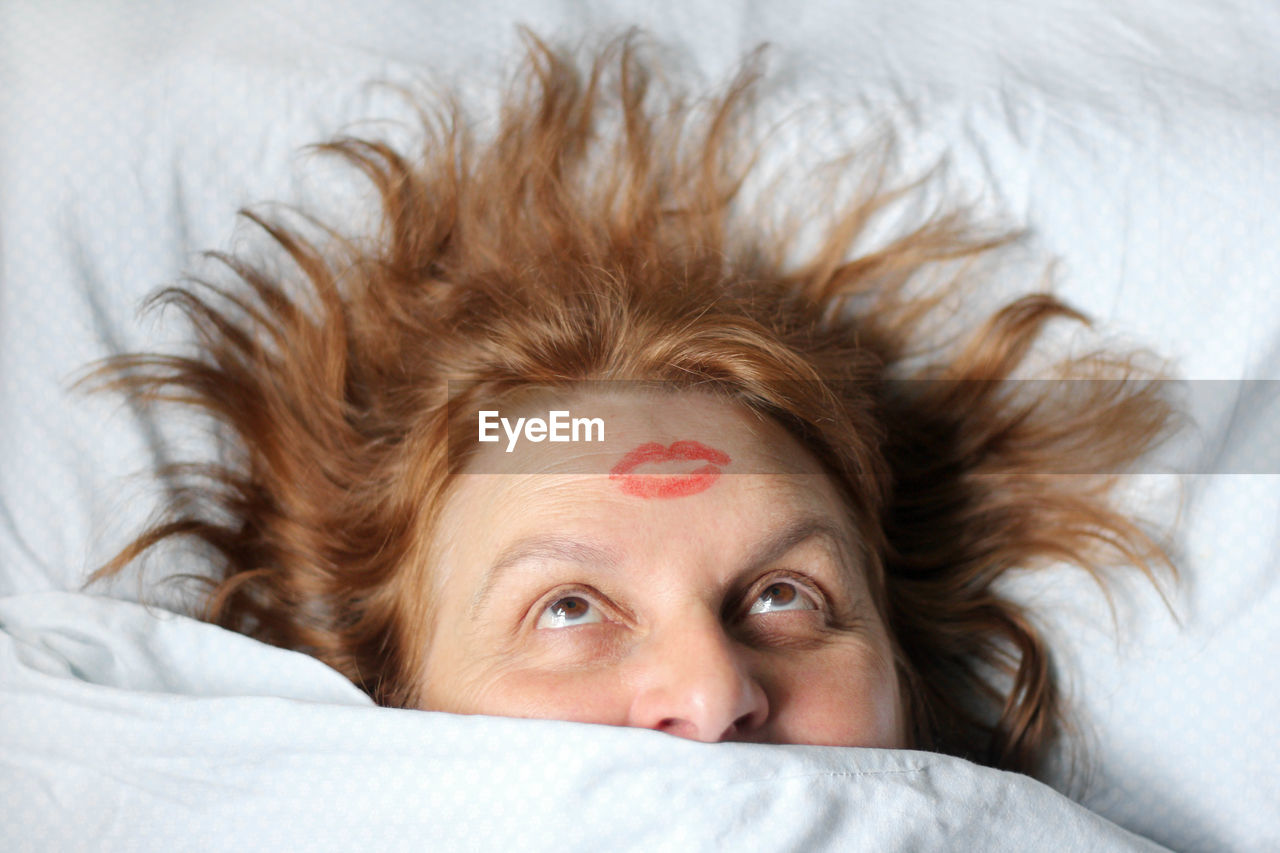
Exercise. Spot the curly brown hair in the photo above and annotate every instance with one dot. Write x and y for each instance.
(600, 234)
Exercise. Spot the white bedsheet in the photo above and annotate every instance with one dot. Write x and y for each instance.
(1136, 140)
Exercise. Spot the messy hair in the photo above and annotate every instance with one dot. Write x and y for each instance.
(599, 232)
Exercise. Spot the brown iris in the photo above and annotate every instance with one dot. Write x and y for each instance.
(570, 608)
(780, 594)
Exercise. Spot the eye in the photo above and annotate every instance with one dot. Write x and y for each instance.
(568, 611)
(781, 595)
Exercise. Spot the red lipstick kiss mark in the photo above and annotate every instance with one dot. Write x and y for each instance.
(668, 485)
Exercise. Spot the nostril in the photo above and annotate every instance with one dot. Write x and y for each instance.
(739, 727)
(677, 727)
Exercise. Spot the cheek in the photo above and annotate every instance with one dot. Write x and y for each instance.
(842, 698)
(510, 681)
(595, 696)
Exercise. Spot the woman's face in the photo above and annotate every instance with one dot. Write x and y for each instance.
(694, 573)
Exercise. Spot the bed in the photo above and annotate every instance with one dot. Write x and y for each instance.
(1135, 141)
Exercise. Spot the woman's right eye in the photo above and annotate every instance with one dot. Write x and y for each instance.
(568, 611)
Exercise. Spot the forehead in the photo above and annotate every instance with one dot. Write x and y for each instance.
(760, 477)
(597, 430)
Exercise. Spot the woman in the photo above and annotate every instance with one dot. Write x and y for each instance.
(789, 504)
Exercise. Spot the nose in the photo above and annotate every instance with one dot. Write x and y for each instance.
(694, 683)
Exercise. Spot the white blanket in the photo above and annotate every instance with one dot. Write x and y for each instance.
(1136, 140)
(129, 730)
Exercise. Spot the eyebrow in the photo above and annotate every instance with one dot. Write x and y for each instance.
(779, 543)
(541, 547)
(584, 552)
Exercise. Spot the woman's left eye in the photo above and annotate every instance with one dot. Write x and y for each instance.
(781, 595)
(570, 610)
